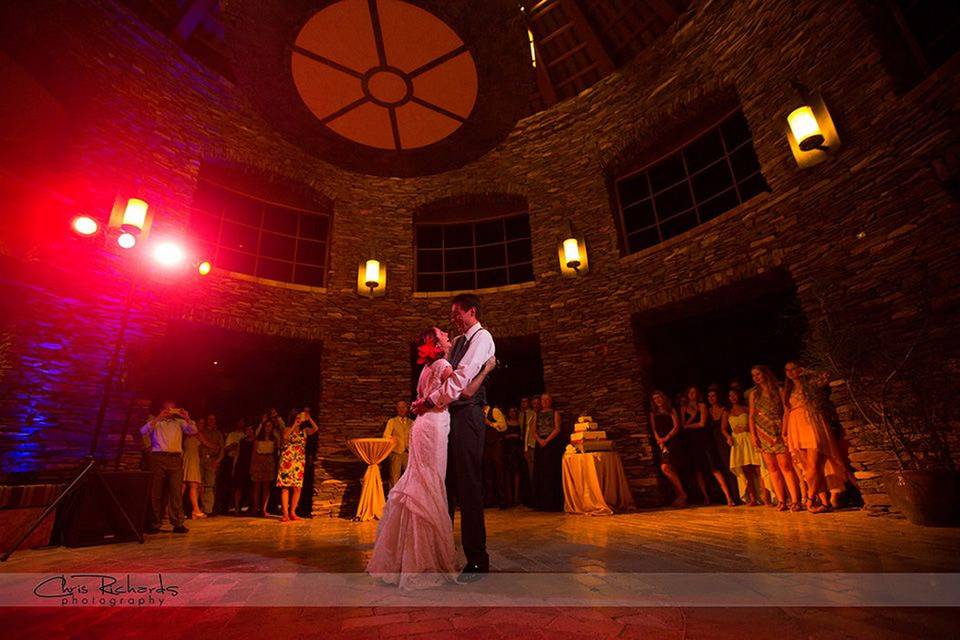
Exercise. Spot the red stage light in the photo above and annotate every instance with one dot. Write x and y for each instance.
(85, 225)
(204, 267)
(126, 240)
(169, 254)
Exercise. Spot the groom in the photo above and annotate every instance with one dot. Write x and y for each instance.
(471, 349)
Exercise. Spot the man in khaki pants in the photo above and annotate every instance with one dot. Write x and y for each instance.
(528, 424)
(398, 428)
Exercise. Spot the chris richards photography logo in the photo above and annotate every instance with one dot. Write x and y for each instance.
(104, 590)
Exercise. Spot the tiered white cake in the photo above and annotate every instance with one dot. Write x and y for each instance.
(587, 437)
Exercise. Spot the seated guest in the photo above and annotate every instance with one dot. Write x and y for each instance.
(494, 471)
(698, 436)
(166, 433)
(293, 457)
(745, 460)
(398, 429)
(666, 431)
(515, 464)
(548, 458)
(240, 480)
(211, 453)
(191, 470)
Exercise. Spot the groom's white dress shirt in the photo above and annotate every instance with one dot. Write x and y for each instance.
(480, 350)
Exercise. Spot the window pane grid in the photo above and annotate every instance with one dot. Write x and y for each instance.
(710, 188)
(481, 263)
(265, 256)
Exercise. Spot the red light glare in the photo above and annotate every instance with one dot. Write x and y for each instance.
(169, 254)
(204, 268)
(126, 240)
(85, 225)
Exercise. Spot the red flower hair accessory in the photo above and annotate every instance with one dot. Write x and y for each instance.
(428, 352)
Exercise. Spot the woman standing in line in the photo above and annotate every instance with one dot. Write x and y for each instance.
(191, 470)
(766, 430)
(806, 432)
(263, 464)
(745, 460)
(292, 462)
(666, 430)
(548, 459)
(700, 445)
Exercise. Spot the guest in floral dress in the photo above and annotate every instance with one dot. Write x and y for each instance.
(766, 424)
(292, 460)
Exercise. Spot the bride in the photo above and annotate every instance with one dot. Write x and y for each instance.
(414, 547)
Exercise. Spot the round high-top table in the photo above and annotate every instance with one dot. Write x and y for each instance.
(594, 484)
(372, 451)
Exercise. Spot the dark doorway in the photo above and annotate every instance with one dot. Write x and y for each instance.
(233, 375)
(520, 372)
(718, 336)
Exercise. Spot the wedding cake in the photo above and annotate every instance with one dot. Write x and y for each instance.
(587, 437)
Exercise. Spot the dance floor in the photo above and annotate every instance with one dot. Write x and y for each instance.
(712, 545)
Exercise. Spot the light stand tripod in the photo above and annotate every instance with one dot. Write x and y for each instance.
(93, 469)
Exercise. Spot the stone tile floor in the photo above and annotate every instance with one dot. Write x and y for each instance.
(700, 540)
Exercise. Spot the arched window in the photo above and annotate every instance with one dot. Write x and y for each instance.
(263, 227)
(712, 173)
(472, 243)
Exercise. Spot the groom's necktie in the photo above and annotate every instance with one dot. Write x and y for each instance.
(459, 349)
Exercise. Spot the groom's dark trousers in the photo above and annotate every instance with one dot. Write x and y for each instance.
(465, 480)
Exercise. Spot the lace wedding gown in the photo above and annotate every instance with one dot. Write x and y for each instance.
(414, 546)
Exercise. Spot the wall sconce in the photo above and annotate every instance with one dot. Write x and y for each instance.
(371, 278)
(131, 216)
(572, 251)
(810, 129)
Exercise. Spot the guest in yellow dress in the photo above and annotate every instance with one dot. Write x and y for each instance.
(806, 432)
(745, 460)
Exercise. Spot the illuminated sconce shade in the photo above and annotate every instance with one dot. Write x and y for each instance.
(805, 130)
(134, 216)
(371, 278)
(533, 49)
(204, 267)
(85, 225)
(572, 252)
(126, 240)
(810, 131)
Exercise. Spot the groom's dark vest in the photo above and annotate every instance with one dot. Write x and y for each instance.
(460, 348)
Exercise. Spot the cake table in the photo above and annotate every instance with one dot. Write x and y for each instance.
(372, 451)
(595, 484)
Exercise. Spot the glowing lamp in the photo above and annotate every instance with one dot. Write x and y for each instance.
(85, 225)
(169, 254)
(806, 131)
(371, 278)
(134, 216)
(126, 240)
(810, 129)
(204, 267)
(572, 252)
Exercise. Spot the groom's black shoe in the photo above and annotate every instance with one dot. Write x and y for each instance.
(472, 572)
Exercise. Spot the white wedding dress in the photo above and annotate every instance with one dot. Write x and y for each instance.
(414, 546)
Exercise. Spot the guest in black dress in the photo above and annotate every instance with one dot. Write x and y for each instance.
(241, 470)
(701, 446)
(666, 431)
(548, 459)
